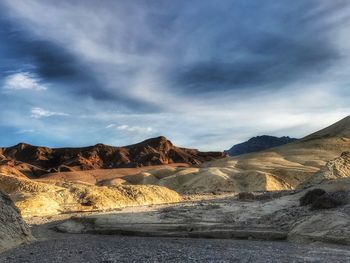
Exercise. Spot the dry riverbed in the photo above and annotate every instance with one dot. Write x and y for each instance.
(155, 233)
(113, 249)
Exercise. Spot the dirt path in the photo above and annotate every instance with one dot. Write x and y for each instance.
(99, 248)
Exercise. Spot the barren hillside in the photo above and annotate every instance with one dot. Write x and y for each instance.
(33, 161)
(284, 167)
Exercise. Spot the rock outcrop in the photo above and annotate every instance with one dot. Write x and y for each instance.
(311, 196)
(13, 230)
(334, 169)
(320, 199)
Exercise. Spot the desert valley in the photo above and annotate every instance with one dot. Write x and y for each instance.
(299, 192)
(174, 131)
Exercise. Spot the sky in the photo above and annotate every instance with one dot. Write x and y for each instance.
(206, 74)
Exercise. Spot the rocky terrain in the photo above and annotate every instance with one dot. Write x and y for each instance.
(32, 161)
(13, 230)
(259, 143)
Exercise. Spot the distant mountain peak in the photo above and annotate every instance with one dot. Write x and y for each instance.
(155, 142)
(267, 137)
(259, 143)
(160, 140)
(22, 145)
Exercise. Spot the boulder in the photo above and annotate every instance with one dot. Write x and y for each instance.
(326, 201)
(320, 199)
(246, 196)
(311, 196)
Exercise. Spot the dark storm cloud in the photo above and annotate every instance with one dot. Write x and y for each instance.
(48, 60)
(281, 62)
(291, 45)
(55, 64)
(233, 44)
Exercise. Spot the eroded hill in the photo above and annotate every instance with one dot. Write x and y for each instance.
(33, 161)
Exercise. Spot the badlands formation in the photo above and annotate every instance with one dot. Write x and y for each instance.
(187, 193)
(26, 160)
(44, 181)
(287, 167)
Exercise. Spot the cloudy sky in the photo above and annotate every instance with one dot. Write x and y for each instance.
(204, 73)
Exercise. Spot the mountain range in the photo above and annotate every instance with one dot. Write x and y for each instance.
(288, 166)
(259, 143)
(34, 161)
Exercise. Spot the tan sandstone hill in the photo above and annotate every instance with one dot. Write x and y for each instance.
(35, 198)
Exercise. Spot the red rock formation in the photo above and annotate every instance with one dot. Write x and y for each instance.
(34, 161)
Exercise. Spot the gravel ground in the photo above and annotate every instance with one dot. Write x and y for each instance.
(99, 248)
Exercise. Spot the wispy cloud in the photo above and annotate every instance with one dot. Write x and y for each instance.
(42, 113)
(135, 129)
(23, 81)
(130, 128)
(24, 131)
(110, 126)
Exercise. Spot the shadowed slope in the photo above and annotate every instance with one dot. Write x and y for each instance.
(338, 129)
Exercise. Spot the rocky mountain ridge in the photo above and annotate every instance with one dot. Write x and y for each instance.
(34, 161)
(259, 143)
